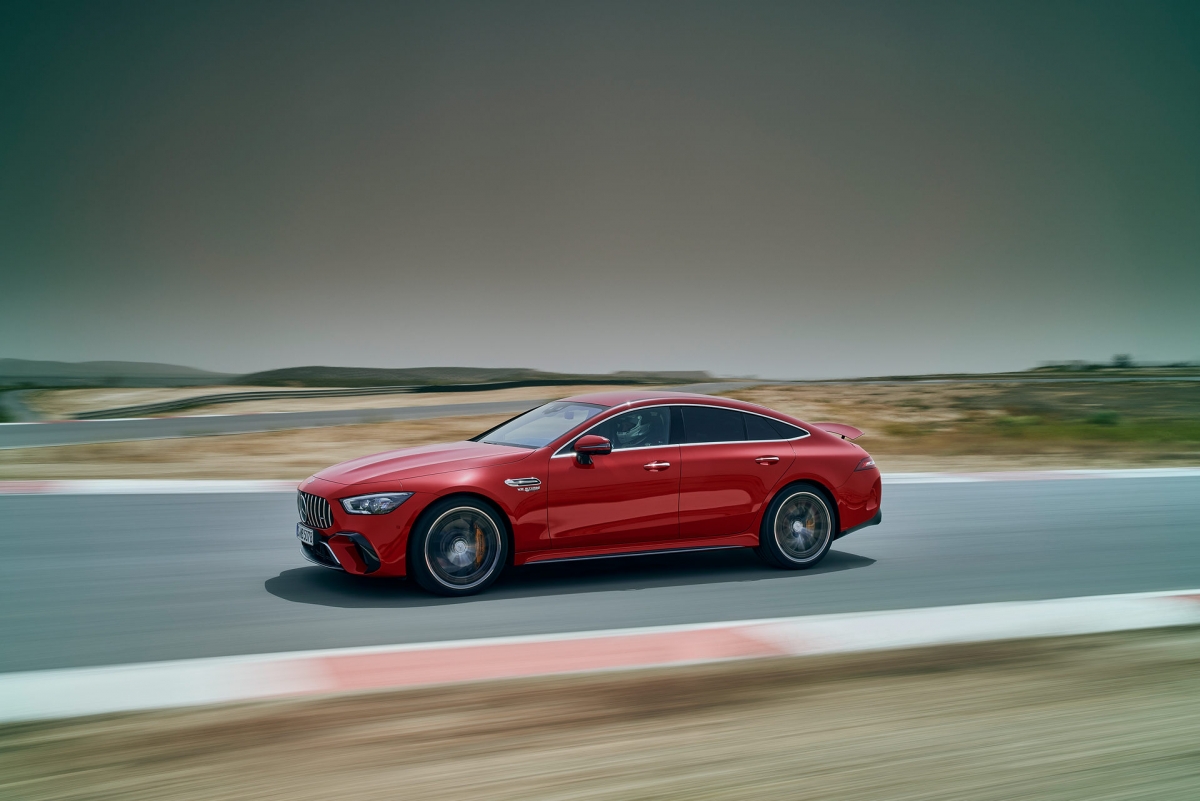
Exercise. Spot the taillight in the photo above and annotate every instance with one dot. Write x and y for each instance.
(865, 464)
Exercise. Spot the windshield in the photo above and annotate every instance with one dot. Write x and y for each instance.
(543, 425)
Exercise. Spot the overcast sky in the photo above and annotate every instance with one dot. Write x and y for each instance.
(784, 190)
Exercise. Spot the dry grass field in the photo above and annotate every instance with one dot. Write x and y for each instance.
(56, 404)
(909, 427)
(1103, 718)
(979, 426)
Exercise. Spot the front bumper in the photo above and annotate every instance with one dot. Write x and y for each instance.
(319, 554)
(347, 551)
(361, 544)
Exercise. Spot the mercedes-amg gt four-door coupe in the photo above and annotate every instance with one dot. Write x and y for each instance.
(598, 475)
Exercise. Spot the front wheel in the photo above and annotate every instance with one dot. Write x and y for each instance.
(797, 529)
(458, 548)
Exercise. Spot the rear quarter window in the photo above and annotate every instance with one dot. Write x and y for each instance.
(760, 428)
(712, 424)
(787, 430)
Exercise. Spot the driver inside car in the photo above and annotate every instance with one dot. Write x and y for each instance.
(640, 429)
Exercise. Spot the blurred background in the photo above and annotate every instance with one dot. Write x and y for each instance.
(247, 240)
(790, 190)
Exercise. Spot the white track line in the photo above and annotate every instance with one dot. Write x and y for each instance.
(1040, 475)
(138, 486)
(87, 691)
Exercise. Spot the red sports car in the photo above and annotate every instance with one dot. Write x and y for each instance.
(598, 475)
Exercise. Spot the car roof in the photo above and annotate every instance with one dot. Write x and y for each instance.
(639, 397)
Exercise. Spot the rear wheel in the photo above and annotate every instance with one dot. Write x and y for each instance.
(458, 547)
(798, 528)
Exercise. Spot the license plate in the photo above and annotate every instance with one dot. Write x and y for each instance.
(304, 533)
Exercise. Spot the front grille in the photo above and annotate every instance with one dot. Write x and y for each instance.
(314, 510)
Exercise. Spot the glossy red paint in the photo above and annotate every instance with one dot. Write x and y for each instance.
(348, 555)
(630, 500)
(629, 496)
(590, 444)
(725, 486)
(841, 429)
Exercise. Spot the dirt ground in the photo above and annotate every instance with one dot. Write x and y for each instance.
(62, 403)
(1103, 717)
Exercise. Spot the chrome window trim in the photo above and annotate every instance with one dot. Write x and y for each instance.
(571, 454)
(559, 454)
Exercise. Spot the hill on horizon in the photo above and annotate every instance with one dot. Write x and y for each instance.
(104, 373)
(28, 372)
(379, 376)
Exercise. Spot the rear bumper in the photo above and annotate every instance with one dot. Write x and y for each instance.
(874, 521)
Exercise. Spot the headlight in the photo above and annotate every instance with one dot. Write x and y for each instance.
(379, 504)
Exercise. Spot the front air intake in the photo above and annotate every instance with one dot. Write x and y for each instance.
(314, 510)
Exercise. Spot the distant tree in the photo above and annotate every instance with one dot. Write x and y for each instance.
(1122, 360)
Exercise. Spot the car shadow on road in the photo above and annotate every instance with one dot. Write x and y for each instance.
(324, 587)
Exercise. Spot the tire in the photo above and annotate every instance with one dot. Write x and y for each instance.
(798, 528)
(458, 547)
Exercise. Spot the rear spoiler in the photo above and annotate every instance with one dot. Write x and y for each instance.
(841, 429)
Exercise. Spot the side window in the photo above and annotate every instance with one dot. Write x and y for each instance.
(710, 424)
(640, 428)
(788, 431)
(759, 428)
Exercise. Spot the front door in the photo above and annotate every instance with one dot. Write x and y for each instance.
(625, 497)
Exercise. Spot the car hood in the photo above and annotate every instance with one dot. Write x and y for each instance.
(412, 462)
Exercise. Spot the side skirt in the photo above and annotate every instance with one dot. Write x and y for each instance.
(575, 554)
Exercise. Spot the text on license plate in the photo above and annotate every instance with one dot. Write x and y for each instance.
(305, 534)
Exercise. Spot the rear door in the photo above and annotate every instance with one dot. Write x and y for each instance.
(628, 496)
(731, 463)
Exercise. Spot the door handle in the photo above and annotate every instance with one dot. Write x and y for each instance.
(765, 460)
(656, 466)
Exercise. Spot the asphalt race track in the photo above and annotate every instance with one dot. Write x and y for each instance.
(85, 432)
(106, 579)
(81, 432)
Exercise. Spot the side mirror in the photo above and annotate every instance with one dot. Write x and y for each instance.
(591, 445)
